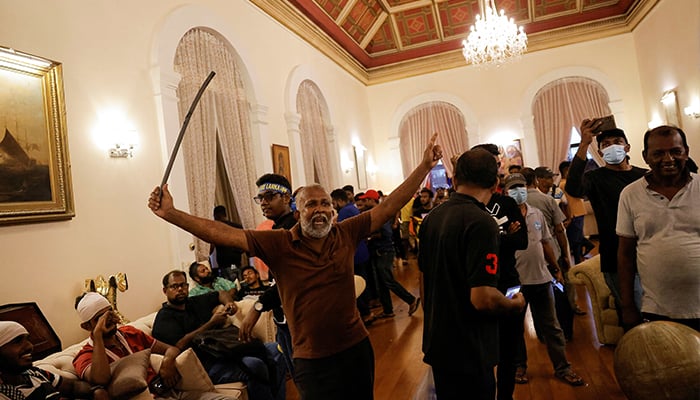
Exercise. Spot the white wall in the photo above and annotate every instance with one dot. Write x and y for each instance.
(668, 48)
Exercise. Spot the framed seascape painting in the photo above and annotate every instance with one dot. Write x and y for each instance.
(280, 161)
(35, 179)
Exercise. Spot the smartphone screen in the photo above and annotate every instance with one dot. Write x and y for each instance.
(558, 285)
(512, 291)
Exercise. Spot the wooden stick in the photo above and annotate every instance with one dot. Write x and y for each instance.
(184, 128)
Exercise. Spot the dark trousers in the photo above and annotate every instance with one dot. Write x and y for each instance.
(574, 233)
(457, 385)
(345, 375)
(364, 297)
(510, 333)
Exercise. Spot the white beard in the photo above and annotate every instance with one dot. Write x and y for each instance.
(307, 227)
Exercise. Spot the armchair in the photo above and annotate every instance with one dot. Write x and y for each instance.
(602, 302)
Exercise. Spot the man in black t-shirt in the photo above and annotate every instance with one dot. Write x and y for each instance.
(182, 317)
(275, 199)
(603, 186)
(512, 235)
(459, 259)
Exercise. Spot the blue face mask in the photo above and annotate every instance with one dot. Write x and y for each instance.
(518, 194)
(614, 154)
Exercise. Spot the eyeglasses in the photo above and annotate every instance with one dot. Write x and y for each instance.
(176, 286)
(267, 196)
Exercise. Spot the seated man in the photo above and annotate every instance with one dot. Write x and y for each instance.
(20, 380)
(206, 282)
(108, 343)
(181, 318)
(252, 285)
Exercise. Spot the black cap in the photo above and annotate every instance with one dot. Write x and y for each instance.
(544, 172)
(514, 179)
(616, 132)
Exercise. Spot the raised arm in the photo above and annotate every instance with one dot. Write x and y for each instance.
(208, 230)
(574, 181)
(400, 196)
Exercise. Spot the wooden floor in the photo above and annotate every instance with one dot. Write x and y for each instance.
(400, 373)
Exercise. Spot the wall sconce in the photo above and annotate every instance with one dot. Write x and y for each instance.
(122, 151)
(115, 133)
(693, 110)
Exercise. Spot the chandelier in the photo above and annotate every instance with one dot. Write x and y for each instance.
(494, 39)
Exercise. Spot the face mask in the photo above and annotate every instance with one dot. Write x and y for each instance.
(518, 194)
(614, 154)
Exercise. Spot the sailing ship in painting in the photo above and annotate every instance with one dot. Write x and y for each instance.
(22, 179)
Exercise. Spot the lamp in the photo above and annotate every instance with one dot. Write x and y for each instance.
(693, 110)
(116, 133)
(493, 39)
(122, 151)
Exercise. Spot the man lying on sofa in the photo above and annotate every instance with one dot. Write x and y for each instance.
(108, 344)
(181, 318)
(20, 380)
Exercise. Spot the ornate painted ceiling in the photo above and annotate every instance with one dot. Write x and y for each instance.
(382, 40)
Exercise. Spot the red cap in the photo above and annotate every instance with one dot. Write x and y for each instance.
(370, 194)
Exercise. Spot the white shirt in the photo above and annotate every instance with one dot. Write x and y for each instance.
(668, 246)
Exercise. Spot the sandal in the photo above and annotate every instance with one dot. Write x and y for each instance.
(572, 379)
(521, 376)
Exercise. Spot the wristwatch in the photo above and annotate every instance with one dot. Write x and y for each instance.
(258, 306)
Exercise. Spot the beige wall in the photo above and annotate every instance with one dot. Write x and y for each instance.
(668, 47)
(111, 52)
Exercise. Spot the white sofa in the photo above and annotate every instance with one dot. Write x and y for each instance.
(61, 363)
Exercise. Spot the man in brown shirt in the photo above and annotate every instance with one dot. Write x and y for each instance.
(313, 264)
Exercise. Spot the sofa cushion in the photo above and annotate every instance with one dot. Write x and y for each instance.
(192, 372)
(129, 375)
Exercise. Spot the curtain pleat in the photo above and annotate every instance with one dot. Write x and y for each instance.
(312, 107)
(223, 111)
(421, 122)
(563, 104)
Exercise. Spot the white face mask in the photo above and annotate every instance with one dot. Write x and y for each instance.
(518, 194)
(614, 154)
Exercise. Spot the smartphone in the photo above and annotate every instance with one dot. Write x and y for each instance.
(558, 285)
(512, 291)
(606, 123)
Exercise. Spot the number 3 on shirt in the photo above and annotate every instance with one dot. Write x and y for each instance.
(492, 263)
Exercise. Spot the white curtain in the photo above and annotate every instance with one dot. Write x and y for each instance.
(223, 111)
(560, 105)
(312, 107)
(421, 122)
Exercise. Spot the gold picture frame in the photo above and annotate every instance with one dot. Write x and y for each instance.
(280, 161)
(35, 179)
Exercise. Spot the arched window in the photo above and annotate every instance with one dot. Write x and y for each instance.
(421, 122)
(220, 125)
(313, 128)
(559, 107)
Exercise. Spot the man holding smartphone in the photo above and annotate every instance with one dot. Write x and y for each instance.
(602, 186)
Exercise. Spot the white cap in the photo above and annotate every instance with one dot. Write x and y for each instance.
(90, 305)
(9, 330)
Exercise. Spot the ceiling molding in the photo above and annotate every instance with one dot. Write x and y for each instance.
(293, 19)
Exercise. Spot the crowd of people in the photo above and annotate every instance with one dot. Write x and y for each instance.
(488, 246)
